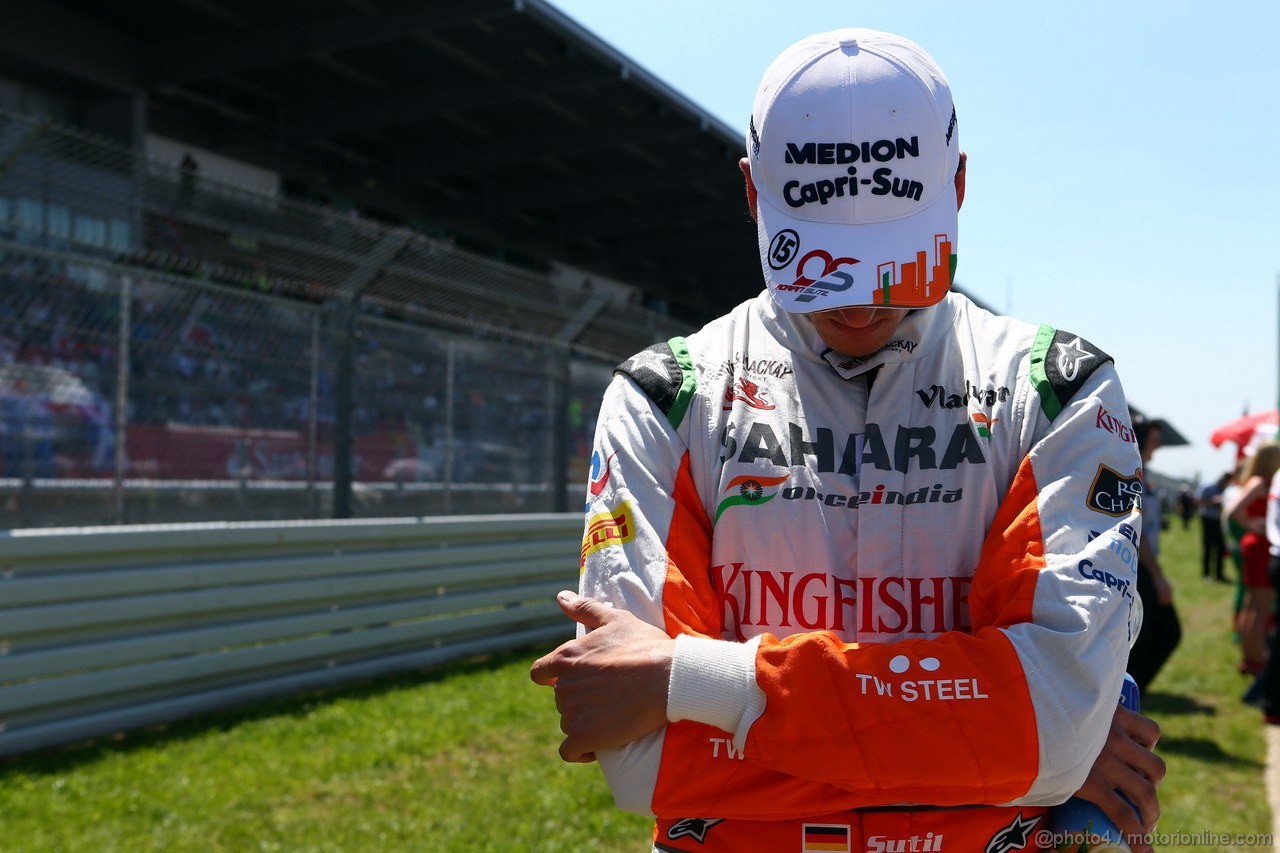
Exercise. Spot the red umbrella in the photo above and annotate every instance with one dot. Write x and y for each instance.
(1241, 430)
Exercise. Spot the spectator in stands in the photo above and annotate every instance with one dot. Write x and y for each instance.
(188, 174)
(26, 435)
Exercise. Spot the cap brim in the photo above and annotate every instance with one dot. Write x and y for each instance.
(811, 266)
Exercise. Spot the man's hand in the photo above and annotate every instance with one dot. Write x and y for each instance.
(611, 684)
(1128, 765)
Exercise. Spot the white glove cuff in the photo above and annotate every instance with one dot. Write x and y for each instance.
(714, 682)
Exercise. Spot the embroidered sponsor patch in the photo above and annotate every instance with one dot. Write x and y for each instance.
(599, 472)
(665, 373)
(1015, 836)
(692, 827)
(1115, 494)
(1061, 363)
(825, 838)
(748, 491)
(616, 527)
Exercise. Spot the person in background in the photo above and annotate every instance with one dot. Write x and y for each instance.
(1213, 544)
(1231, 533)
(1161, 629)
(1248, 509)
(1186, 505)
(1265, 691)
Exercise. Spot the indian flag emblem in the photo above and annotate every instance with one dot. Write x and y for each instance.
(984, 424)
(747, 491)
(826, 838)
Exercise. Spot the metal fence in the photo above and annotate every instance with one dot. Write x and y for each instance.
(173, 348)
(105, 630)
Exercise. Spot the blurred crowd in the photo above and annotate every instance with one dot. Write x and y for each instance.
(1245, 504)
(1238, 515)
(214, 358)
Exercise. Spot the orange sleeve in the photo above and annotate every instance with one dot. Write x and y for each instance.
(945, 721)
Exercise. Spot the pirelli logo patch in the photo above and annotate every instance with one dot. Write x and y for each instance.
(615, 527)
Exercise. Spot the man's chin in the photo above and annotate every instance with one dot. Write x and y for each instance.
(857, 340)
(855, 345)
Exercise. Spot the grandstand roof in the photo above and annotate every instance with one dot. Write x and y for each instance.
(500, 121)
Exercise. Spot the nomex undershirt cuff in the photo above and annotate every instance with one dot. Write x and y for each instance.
(714, 682)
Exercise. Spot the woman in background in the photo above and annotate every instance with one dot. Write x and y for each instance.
(1248, 509)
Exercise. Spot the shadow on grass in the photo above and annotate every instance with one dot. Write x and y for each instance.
(63, 758)
(1204, 749)
(1172, 703)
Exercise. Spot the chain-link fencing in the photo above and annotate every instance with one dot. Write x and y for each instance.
(174, 348)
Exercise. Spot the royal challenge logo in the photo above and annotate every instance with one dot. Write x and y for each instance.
(1115, 494)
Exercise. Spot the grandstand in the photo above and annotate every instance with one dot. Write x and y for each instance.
(335, 259)
(338, 259)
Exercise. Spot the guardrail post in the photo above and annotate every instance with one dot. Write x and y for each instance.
(449, 414)
(27, 494)
(558, 378)
(347, 327)
(565, 337)
(345, 331)
(122, 399)
(313, 418)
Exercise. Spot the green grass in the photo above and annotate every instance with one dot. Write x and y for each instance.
(464, 759)
(457, 760)
(1213, 743)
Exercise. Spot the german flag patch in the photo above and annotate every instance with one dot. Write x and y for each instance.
(825, 838)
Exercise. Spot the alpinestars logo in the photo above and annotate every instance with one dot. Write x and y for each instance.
(748, 490)
(692, 827)
(1071, 356)
(1014, 836)
(749, 393)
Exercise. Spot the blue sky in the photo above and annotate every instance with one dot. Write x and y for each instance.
(1124, 168)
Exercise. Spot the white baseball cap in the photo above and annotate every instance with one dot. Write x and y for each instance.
(854, 150)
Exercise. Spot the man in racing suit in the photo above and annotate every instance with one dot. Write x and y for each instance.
(893, 535)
